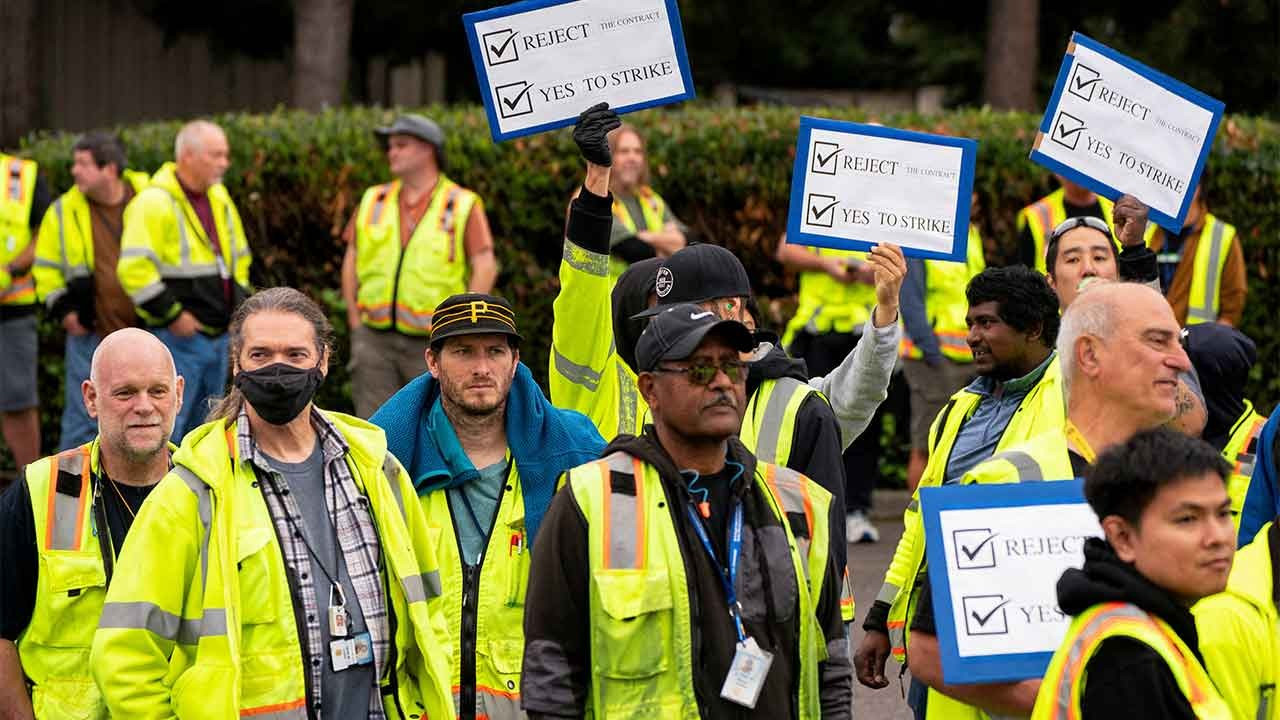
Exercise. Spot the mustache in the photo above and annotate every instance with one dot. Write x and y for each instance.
(722, 399)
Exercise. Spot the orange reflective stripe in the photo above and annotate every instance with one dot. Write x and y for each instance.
(508, 694)
(56, 535)
(277, 707)
(409, 317)
(374, 214)
(629, 515)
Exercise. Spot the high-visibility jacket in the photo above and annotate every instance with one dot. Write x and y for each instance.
(1041, 411)
(640, 615)
(1240, 452)
(1239, 633)
(400, 286)
(484, 609)
(652, 209)
(1064, 683)
(947, 305)
(826, 305)
(64, 247)
(1206, 272)
(16, 198)
(1047, 213)
(167, 262)
(203, 625)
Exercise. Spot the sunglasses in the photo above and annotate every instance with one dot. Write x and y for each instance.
(1082, 221)
(704, 373)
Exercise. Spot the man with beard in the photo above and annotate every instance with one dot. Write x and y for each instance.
(643, 224)
(282, 567)
(680, 576)
(62, 527)
(484, 447)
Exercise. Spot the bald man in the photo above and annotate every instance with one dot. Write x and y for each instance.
(54, 564)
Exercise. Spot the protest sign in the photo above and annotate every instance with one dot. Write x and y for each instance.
(995, 553)
(542, 62)
(1116, 126)
(855, 186)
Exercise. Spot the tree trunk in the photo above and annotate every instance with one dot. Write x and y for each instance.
(19, 71)
(321, 45)
(1013, 44)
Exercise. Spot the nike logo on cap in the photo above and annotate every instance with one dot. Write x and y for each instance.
(699, 316)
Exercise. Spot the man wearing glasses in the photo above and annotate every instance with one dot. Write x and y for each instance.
(679, 576)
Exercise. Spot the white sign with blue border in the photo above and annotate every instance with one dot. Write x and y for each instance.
(542, 62)
(1116, 126)
(855, 186)
(995, 553)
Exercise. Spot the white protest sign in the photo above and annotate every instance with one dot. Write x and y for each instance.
(995, 555)
(542, 62)
(1116, 126)
(855, 186)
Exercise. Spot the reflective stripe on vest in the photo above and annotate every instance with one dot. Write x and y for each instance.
(1210, 262)
(623, 513)
(768, 434)
(1027, 467)
(651, 207)
(67, 511)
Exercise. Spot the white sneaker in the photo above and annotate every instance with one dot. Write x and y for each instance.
(858, 528)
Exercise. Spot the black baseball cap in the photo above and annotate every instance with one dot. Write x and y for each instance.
(699, 273)
(676, 331)
(473, 314)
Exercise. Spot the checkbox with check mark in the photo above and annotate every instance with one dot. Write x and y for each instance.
(975, 548)
(1084, 80)
(1067, 130)
(820, 210)
(500, 47)
(985, 614)
(824, 160)
(514, 99)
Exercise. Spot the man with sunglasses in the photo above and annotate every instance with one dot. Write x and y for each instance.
(681, 576)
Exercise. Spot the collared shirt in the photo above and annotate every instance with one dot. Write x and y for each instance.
(357, 537)
(979, 436)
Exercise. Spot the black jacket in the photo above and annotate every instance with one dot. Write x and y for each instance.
(557, 664)
(1126, 678)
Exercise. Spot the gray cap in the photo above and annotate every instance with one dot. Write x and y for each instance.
(416, 125)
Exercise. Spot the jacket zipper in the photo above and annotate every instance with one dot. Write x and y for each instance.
(470, 611)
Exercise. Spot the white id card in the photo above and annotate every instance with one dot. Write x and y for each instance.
(341, 653)
(337, 621)
(746, 674)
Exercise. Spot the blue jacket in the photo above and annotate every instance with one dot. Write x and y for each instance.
(1262, 503)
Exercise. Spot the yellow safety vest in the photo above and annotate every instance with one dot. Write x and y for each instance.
(401, 286)
(1206, 274)
(1050, 211)
(1240, 452)
(498, 608)
(640, 617)
(16, 198)
(64, 247)
(204, 626)
(1041, 411)
(826, 305)
(946, 303)
(652, 207)
(1239, 631)
(1063, 687)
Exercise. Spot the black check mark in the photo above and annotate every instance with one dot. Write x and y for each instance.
(512, 102)
(982, 619)
(822, 161)
(978, 549)
(1066, 134)
(499, 49)
(1082, 86)
(816, 214)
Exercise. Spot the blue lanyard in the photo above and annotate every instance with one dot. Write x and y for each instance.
(735, 550)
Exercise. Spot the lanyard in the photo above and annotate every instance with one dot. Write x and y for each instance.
(1076, 437)
(735, 550)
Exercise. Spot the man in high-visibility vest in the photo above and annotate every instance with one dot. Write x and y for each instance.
(1132, 649)
(76, 257)
(62, 527)
(1263, 496)
(411, 243)
(184, 261)
(1035, 221)
(24, 197)
(680, 576)
(484, 448)
(1202, 268)
(643, 224)
(283, 567)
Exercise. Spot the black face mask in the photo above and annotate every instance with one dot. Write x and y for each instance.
(280, 391)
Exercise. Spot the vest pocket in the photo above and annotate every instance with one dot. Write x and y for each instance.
(259, 571)
(68, 698)
(75, 582)
(632, 633)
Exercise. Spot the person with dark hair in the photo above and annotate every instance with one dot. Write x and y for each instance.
(281, 567)
(1035, 221)
(484, 448)
(76, 256)
(411, 243)
(1013, 324)
(1132, 649)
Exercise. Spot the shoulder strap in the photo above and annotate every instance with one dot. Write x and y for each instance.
(622, 494)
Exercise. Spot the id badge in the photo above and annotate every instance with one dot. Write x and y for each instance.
(337, 621)
(361, 649)
(340, 654)
(746, 674)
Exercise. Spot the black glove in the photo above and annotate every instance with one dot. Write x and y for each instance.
(592, 133)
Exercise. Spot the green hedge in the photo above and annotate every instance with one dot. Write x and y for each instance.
(297, 177)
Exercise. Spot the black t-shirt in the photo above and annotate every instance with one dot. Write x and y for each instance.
(1125, 678)
(719, 495)
(19, 554)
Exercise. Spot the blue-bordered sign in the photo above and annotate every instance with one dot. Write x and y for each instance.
(542, 62)
(995, 553)
(855, 186)
(1116, 126)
